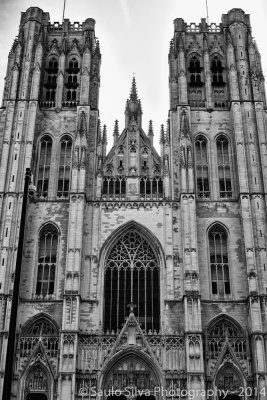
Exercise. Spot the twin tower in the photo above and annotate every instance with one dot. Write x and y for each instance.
(142, 274)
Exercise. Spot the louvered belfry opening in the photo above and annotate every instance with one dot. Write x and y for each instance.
(132, 276)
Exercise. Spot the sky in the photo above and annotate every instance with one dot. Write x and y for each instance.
(134, 39)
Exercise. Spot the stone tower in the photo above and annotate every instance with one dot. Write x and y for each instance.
(141, 272)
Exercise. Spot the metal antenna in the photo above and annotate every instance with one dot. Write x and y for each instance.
(207, 10)
(63, 11)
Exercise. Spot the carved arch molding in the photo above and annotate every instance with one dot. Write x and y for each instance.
(130, 372)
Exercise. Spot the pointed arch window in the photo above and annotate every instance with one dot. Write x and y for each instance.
(219, 263)
(151, 187)
(224, 168)
(132, 276)
(51, 79)
(47, 261)
(37, 381)
(202, 169)
(217, 71)
(43, 170)
(229, 379)
(195, 71)
(41, 330)
(114, 187)
(64, 167)
(72, 79)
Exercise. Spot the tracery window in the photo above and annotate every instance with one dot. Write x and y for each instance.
(40, 330)
(228, 379)
(131, 276)
(37, 380)
(222, 331)
(219, 265)
(43, 170)
(64, 167)
(202, 169)
(51, 79)
(72, 79)
(47, 260)
(151, 187)
(224, 169)
(217, 71)
(195, 71)
(114, 186)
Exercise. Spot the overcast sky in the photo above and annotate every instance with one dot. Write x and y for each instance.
(134, 38)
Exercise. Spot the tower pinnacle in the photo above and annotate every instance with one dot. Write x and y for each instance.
(133, 108)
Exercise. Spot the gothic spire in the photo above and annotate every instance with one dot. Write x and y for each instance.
(133, 108)
(133, 93)
(162, 134)
(104, 134)
(116, 132)
(150, 132)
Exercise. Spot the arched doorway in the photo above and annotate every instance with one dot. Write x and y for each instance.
(36, 384)
(229, 382)
(230, 397)
(130, 377)
(36, 396)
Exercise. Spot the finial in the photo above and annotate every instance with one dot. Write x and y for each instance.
(162, 134)
(150, 134)
(133, 93)
(116, 128)
(131, 307)
(168, 131)
(97, 46)
(104, 134)
(116, 131)
(99, 131)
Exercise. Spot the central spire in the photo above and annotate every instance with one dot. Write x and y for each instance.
(133, 93)
(133, 108)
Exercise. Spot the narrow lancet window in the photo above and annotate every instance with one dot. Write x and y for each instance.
(72, 82)
(51, 79)
(202, 169)
(64, 167)
(47, 260)
(224, 169)
(44, 161)
(219, 264)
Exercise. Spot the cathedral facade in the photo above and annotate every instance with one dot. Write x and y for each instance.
(142, 274)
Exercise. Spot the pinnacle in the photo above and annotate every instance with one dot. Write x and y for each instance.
(162, 134)
(104, 134)
(116, 128)
(150, 128)
(133, 93)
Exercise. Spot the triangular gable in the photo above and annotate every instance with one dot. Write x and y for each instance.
(39, 357)
(144, 142)
(131, 337)
(227, 355)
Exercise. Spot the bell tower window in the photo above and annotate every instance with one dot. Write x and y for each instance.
(64, 167)
(202, 169)
(51, 79)
(217, 72)
(47, 260)
(219, 266)
(72, 79)
(43, 170)
(224, 170)
(194, 71)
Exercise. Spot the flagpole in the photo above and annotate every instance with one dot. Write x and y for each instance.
(207, 10)
(63, 11)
